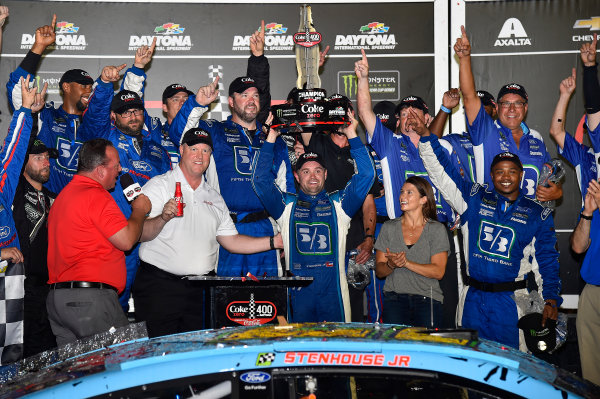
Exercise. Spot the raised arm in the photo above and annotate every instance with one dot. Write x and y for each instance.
(3, 15)
(471, 100)
(591, 87)
(126, 238)
(363, 95)
(135, 77)
(450, 100)
(557, 124)
(259, 70)
(580, 239)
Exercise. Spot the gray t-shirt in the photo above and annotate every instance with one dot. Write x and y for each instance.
(433, 240)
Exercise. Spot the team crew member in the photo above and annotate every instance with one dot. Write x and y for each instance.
(313, 225)
(30, 209)
(586, 236)
(121, 119)
(87, 237)
(508, 133)
(58, 127)
(174, 247)
(334, 149)
(12, 270)
(505, 233)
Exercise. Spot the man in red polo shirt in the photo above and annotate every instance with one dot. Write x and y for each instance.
(87, 234)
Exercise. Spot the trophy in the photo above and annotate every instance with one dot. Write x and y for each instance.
(308, 109)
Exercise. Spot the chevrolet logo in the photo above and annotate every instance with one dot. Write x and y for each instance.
(592, 23)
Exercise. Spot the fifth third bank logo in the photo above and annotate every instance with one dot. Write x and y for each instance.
(512, 34)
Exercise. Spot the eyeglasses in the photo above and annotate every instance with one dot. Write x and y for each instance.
(516, 104)
(134, 112)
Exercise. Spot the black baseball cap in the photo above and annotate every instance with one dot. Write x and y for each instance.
(386, 112)
(537, 338)
(412, 101)
(513, 88)
(486, 98)
(173, 89)
(38, 147)
(506, 156)
(308, 157)
(195, 136)
(76, 75)
(124, 100)
(241, 84)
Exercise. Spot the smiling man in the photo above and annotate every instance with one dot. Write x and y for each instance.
(506, 236)
(508, 133)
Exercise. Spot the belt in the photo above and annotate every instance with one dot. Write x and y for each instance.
(82, 284)
(496, 287)
(251, 217)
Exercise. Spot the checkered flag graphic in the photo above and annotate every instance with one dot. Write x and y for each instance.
(252, 307)
(219, 110)
(265, 359)
(11, 312)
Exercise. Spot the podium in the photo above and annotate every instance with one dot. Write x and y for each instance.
(235, 301)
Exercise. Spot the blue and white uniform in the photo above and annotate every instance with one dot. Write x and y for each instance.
(399, 160)
(142, 162)
(56, 129)
(12, 276)
(582, 158)
(490, 138)
(313, 229)
(230, 173)
(460, 151)
(504, 240)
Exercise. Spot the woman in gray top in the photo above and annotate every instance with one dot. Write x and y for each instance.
(411, 255)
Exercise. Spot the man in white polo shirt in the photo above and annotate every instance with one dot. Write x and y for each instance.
(174, 247)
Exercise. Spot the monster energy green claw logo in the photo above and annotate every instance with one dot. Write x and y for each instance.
(350, 85)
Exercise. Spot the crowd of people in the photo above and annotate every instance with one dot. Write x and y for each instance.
(82, 239)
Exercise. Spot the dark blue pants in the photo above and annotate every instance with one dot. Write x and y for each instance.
(411, 310)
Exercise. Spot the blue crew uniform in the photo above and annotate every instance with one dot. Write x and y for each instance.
(313, 228)
(490, 138)
(582, 158)
(460, 151)
(142, 160)
(57, 129)
(12, 275)
(504, 240)
(399, 160)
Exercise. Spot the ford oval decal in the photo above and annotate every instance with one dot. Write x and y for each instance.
(255, 377)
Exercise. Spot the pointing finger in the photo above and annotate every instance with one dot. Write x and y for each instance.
(53, 22)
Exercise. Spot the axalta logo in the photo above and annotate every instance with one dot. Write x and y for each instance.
(373, 37)
(66, 38)
(512, 34)
(593, 24)
(275, 39)
(169, 36)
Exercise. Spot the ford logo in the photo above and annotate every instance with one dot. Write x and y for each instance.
(255, 377)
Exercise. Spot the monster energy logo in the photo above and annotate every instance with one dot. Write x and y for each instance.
(350, 85)
(279, 113)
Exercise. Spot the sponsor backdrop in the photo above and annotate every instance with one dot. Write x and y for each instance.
(530, 42)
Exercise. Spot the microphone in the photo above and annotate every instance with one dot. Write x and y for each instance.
(131, 189)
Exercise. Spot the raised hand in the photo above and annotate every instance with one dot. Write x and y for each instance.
(27, 93)
(350, 129)
(451, 98)
(257, 41)
(112, 73)
(416, 123)
(361, 67)
(209, 93)
(462, 47)
(3, 15)
(40, 99)
(44, 36)
(323, 56)
(592, 198)
(567, 86)
(588, 52)
(143, 55)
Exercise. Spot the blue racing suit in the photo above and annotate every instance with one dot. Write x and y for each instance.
(230, 173)
(460, 151)
(142, 162)
(582, 158)
(490, 138)
(503, 240)
(399, 160)
(12, 275)
(56, 129)
(313, 229)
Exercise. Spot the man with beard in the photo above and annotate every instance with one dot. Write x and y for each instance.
(30, 211)
(120, 119)
(57, 126)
